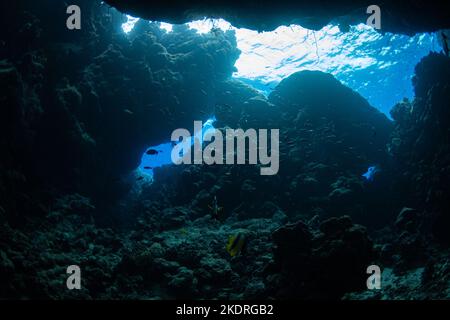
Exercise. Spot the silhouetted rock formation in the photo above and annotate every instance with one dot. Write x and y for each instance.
(420, 143)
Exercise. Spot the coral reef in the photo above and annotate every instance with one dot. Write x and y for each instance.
(78, 110)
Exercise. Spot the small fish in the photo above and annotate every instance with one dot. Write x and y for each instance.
(371, 172)
(139, 178)
(236, 244)
(128, 111)
(151, 152)
(148, 168)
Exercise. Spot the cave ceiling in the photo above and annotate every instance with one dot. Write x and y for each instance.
(406, 17)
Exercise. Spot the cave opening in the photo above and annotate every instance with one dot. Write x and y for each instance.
(90, 119)
(379, 66)
(161, 155)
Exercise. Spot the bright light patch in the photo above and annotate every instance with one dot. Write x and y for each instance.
(379, 67)
(166, 26)
(129, 25)
(205, 25)
(161, 155)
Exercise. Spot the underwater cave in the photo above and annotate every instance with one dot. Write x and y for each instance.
(88, 176)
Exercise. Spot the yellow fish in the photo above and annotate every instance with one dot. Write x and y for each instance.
(236, 244)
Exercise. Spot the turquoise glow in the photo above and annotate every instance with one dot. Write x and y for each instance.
(160, 155)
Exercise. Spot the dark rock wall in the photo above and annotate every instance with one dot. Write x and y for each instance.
(420, 143)
(78, 108)
(82, 106)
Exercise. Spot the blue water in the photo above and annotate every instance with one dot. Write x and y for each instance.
(162, 154)
(379, 67)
